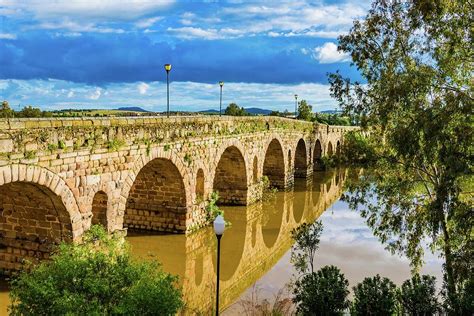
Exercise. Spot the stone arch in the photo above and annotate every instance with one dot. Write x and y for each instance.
(157, 198)
(255, 170)
(318, 152)
(338, 148)
(274, 164)
(37, 211)
(329, 150)
(200, 184)
(301, 165)
(140, 163)
(99, 208)
(230, 177)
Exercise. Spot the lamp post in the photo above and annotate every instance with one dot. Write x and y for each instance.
(221, 83)
(219, 226)
(296, 106)
(168, 68)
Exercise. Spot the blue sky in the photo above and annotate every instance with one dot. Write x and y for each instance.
(105, 54)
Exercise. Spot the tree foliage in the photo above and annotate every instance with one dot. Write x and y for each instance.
(5, 110)
(374, 296)
(305, 111)
(322, 293)
(306, 237)
(416, 58)
(97, 277)
(234, 110)
(418, 295)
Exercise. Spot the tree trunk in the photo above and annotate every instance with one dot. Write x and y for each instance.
(451, 284)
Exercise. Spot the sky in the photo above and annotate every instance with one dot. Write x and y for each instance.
(60, 54)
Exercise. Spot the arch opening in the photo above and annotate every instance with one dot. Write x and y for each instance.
(33, 219)
(274, 165)
(157, 199)
(329, 151)
(301, 166)
(318, 151)
(200, 185)
(230, 178)
(99, 209)
(338, 148)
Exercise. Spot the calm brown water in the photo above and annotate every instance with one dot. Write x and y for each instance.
(255, 249)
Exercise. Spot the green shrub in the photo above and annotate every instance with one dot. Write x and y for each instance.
(322, 293)
(417, 295)
(96, 277)
(374, 296)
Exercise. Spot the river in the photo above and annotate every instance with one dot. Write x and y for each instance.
(256, 247)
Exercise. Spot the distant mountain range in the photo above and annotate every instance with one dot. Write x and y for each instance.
(132, 108)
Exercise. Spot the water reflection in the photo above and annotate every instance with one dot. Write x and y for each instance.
(258, 237)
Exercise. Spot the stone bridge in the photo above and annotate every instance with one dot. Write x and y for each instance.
(59, 176)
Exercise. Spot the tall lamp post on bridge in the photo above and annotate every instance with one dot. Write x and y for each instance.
(221, 84)
(219, 226)
(168, 68)
(296, 106)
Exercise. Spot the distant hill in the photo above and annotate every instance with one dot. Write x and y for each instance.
(331, 111)
(258, 111)
(132, 108)
(210, 111)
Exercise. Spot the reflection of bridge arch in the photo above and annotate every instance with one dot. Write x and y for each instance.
(259, 252)
(271, 223)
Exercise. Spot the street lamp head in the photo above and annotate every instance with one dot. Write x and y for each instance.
(221, 83)
(167, 67)
(296, 96)
(219, 225)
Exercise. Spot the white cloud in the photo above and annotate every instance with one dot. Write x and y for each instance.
(189, 32)
(186, 96)
(90, 9)
(7, 36)
(76, 27)
(145, 23)
(96, 94)
(142, 88)
(328, 54)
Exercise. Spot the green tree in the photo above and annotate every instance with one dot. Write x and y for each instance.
(29, 111)
(418, 296)
(234, 110)
(416, 58)
(5, 110)
(306, 237)
(374, 296)
(305, 111)
(322, 293)
(96, 277)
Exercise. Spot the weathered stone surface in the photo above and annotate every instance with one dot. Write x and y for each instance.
(148, 173)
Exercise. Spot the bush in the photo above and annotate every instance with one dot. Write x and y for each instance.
(96, 277)
(418, 295)
(374, 296)
(322, 293)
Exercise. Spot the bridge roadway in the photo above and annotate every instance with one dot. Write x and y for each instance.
(60, 175)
